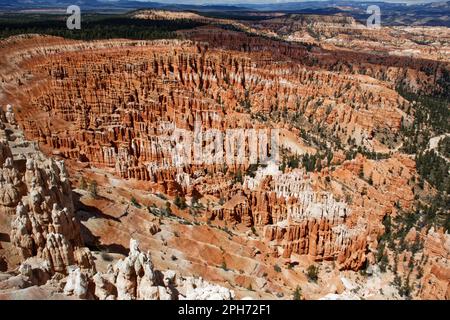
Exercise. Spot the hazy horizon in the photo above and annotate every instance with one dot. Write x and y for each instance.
(242, 2)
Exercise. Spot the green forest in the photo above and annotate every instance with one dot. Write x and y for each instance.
(93, 26)
(431, 116)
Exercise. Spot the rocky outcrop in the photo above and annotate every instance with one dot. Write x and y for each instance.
(296, 219)
(135, 277)
(38, 191)
(47, 234)
(77, 284)
(436, 279)
(141, 102)
(125, 113)
(313, 41)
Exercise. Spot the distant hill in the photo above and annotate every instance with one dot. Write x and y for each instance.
(429, 14)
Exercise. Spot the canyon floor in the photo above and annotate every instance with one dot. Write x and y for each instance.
(347, 198)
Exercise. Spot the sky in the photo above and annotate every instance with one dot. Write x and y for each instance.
(271, 1)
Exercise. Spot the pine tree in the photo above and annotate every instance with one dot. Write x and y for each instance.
(93, 189)
(83, 184)
(298, 293)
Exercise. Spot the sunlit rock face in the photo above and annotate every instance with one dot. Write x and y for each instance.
(123, 109)
(119, 109)
(134, 277)
(113, 116)
(37, 196)
(435, 282)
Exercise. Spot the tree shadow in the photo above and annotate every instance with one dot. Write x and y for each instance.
(4, 237)
(85, 212)
(116, 248)
(94, 243)
(3, 265)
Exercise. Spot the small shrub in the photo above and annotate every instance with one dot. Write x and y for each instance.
(180, 202)
(312, 273)
(83, 185)
(224, 265)
(297, 293)
(135, 203)
(161, 196)
(238, 177)
(93, 189)
(167, 209)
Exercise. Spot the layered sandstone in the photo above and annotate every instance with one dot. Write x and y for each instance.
(120, 114)
(436, 279)
(345, 33)
(37, 196)
(382, 60)
(134, 277)
(114, 115)
(46, 233)
(123, 114)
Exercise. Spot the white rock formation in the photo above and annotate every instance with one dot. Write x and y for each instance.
(134, 277)
(77, 283)
(40, 196)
